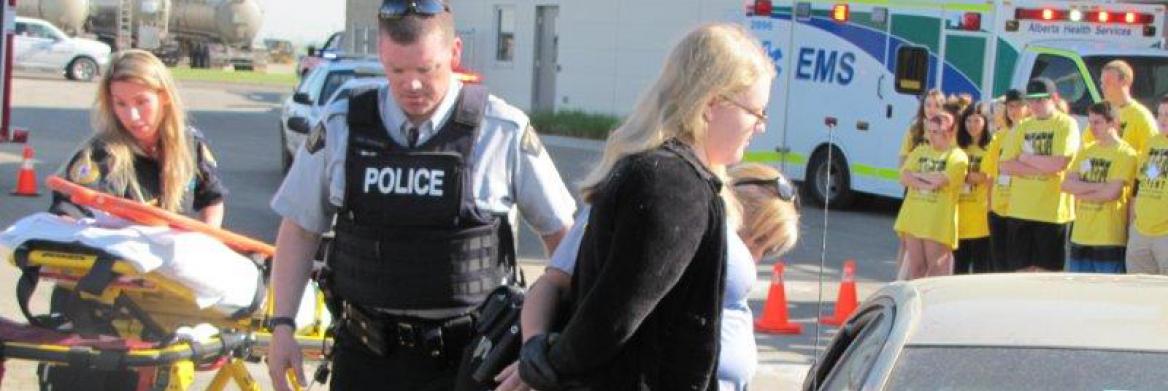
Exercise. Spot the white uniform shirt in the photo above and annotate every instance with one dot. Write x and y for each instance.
(508, 171)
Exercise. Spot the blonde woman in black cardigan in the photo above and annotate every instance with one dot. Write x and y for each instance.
(648, 285)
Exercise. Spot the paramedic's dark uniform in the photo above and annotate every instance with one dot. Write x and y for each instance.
(419, 225)
(90, 167)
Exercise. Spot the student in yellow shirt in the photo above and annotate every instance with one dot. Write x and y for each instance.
(973, 249)
(1136, 122)
(1100, 178)
(1037, 161)
(1014, 112)
(934, 174)
(1147, 245)
(932, 104)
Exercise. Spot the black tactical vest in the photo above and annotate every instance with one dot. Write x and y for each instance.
(409, 235)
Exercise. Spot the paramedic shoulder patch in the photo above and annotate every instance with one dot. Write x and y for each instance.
(530, 143)
(84, 172)
(315, 141)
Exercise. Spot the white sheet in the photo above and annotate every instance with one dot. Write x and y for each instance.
(217, 275)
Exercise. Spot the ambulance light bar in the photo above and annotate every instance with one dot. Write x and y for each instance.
(761, 8)
(839, 13)
(1075, 15)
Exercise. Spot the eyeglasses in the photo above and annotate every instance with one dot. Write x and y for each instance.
(759, 115)
(394, 9)
(781, 185)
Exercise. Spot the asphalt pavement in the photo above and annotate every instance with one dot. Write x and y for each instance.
(241, 123)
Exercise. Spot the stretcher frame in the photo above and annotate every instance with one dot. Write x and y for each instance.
(161, 366)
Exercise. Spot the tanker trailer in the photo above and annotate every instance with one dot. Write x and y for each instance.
(68, 15)
(209, 32)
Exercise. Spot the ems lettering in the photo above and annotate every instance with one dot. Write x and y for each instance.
(1044, 28)
(1077, 30)
(414, 181)
(776, 55)
(1113, 31)
(825, 66)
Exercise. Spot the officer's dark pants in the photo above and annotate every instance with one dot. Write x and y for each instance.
(356, 368)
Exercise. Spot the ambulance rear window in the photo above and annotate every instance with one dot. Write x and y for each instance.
(1151, 76)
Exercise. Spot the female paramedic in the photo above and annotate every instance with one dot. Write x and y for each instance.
(769, 227)
(141, 149)
(648, 285)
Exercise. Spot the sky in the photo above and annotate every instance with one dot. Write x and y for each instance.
(302, 21)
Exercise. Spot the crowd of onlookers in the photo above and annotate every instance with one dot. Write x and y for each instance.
(1011, 184)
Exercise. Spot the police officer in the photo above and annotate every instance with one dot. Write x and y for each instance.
(421, 176)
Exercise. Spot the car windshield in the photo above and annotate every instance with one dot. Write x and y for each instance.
(1151, 76)
(336, 80)
(1012, 368)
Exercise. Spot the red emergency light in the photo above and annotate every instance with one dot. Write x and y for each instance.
(1046, 14)
(1108, 17)
(763, 8)
(839, 13)
(971, 21)
(1103, 17)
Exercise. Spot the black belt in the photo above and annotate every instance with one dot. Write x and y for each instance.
(384, 333)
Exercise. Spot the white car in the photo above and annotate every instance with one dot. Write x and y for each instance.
(40, 46)
(1016, 331)
(316, 91)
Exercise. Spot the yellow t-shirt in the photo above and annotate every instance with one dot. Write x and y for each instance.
(973, 204)
(1103, 223)
(1151, 204)
(907, 145)
(1039, 197)
(1000, 190)
(932, 215)
(1136, 126)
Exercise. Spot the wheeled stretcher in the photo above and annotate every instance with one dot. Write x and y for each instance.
(164, 297)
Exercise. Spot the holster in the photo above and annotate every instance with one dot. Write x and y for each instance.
(496, 341)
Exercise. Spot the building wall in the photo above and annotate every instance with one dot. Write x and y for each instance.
(609, 50)
(361, 25)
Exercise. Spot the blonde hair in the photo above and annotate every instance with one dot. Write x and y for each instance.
(768, 222)
(1122, 69)
(711, 61)
(175, 153)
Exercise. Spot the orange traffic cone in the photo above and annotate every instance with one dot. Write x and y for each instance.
(26, 181)
(774, 314)
(846, 303)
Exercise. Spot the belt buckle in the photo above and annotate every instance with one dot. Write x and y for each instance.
(406, 334)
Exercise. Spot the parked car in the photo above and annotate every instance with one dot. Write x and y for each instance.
(1026, 331)
(332, 50)
(303, 109)
(40, 46)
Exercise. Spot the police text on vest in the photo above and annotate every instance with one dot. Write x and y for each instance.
(415, 181)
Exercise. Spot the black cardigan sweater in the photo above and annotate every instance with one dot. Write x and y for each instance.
(648, 284)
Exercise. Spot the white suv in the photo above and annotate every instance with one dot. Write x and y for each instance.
(40, 46)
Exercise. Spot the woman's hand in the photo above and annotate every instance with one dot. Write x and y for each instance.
(509, 379)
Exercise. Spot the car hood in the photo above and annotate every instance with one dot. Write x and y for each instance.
(98, 49)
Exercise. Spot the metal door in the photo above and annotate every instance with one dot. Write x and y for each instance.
(543, 95)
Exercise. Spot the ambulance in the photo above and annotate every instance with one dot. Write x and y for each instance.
(859, 68)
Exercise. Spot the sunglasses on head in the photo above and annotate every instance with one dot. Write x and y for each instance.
(393, 9)
(782, 187)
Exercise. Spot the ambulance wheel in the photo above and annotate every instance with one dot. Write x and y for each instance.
(839, 194)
